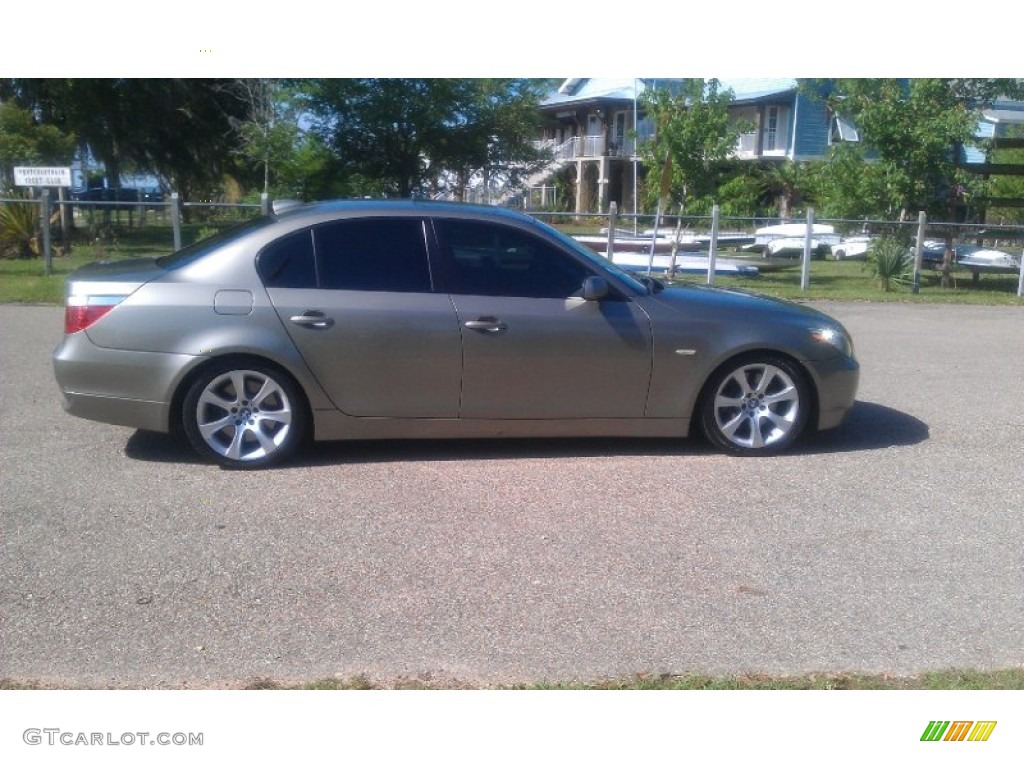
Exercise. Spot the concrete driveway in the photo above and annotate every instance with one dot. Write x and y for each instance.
(892, 544)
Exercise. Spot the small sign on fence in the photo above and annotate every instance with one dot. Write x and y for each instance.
(42, 177)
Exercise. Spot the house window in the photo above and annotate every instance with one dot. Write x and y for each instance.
(841, 129)
(771, 129)
(619, 138)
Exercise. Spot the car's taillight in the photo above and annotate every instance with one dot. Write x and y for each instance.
(83, 311)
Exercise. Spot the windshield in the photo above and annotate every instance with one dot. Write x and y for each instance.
(197, 250)
(601, 263)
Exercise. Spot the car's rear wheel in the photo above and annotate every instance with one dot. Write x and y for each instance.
(755, 405)
(244, 415)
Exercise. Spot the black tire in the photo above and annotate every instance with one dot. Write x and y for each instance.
(755, 405)
(244, 414)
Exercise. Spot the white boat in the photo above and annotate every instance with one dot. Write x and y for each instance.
(685, 264)
(990, 260)
(789, 239)
(627, 241)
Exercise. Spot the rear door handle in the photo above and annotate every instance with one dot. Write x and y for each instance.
(486, 324)
(312, 318)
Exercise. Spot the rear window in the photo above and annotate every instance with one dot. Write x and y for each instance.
(288, 262)
(197, 250)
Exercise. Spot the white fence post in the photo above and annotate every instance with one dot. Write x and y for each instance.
(805, 272)
(922, 219)
(264, 203)
(44, 220)
(176, 221)
(1020, 282)
(613, 220)
(713, 248)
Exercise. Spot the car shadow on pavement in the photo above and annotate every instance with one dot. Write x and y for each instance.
(161, 448)
(868, 426)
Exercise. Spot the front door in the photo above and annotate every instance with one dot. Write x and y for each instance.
(533, 348)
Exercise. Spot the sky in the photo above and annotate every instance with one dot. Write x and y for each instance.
(462, 38)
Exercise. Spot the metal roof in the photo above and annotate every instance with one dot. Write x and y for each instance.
(579, 89)
(752, 89)
(585, 89)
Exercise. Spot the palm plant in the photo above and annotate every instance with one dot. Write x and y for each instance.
(19, 230)
(788, 183)
(890, 263)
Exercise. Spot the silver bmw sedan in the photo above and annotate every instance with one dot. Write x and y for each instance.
(391, 319)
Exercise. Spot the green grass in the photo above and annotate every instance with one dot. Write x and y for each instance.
(24, 281)
(852, 281)
(948, 680)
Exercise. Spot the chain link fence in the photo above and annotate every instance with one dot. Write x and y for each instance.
(715, 247)
(708, 247)
(44, 224)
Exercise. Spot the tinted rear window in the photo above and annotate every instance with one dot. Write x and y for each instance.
(197, 250)
(383, 254)
(288, 262)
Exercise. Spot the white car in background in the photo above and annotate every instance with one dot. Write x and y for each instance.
(855, 247)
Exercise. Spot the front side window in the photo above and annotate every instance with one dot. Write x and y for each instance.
(377, 254)
(493, 260)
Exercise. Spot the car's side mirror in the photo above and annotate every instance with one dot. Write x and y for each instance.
(595, 288)
(653, 284)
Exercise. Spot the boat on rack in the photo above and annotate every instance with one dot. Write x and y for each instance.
(641, 242)
(787, 240)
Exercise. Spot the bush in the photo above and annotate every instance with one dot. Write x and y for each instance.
(19, 230)
(890, 263)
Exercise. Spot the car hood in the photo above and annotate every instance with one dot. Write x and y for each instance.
(707, 300)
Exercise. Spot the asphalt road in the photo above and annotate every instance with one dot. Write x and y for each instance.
(892, 544)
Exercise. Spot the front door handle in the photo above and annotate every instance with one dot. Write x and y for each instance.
(312, 318)
(486, 324)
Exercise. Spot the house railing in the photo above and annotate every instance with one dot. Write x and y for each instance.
(746, 146)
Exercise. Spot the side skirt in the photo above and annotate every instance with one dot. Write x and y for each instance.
(332, 425)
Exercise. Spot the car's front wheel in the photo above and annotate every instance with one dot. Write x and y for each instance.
(244, 415)
(755, 405)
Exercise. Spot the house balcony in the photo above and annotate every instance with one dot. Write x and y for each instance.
(583, 147)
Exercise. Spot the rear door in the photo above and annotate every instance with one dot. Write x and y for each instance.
(356, 298)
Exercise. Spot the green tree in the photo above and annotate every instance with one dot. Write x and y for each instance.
(693, 142)
(915, 130)
(1007, 187)
(402, 137)
(788, 184)
(850, 186)
(23, 141)
(291, 162)
(179, 129)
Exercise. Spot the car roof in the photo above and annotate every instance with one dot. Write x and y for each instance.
(376, 207)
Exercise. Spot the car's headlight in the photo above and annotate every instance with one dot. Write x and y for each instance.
(835, 337)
